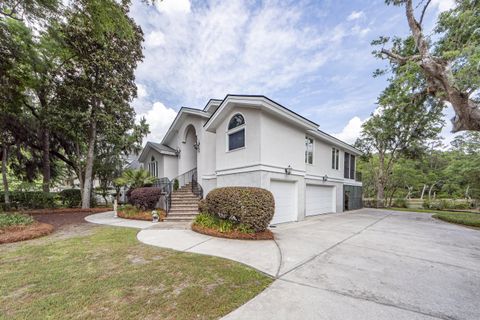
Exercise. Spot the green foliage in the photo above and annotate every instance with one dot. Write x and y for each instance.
(31, 199)
(15, 219)
(253, 207)
(135, 178)
(175, 184)
(71, 198)
(400, 203)
(129, 209)
(225, 226)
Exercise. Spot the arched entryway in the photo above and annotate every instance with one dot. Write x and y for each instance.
(188, 156)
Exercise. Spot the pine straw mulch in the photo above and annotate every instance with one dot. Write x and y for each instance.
(142, 215)
(263, 235)
(21, 233)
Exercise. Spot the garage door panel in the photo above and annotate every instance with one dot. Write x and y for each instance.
(319, 200)
(285, 194)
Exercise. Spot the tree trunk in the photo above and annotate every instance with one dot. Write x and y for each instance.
(46, 160)
(88, 180)
(423, 191)
(381, 181)
(6, 193)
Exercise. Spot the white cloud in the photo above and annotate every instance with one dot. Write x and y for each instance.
(159, 117)
(443, 5)
(233, 47)
(155, 39)
(141, 91)
(351, 131)
(355, 15)
(171, 7)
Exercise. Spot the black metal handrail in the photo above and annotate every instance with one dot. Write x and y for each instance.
(196, 187)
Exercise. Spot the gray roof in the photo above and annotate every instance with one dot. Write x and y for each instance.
(161, 147)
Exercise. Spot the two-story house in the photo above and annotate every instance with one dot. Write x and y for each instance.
(246, 140)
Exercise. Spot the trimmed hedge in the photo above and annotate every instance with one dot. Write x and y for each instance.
(253, 207)
(145, 198)
(30, 199)
(202, 206)
(71, 198)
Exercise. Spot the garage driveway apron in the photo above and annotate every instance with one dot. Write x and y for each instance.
(367, 264)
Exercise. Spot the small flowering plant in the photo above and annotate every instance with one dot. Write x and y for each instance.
(155, 216)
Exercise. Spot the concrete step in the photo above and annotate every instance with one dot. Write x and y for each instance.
(182, 211)
(175, 218)
(182, 202)
(187, 206)
(184, 215)
(176, 197)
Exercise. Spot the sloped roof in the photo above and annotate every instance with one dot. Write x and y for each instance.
(161, 148)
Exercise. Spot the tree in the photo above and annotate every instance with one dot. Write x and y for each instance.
(403, 122)
(450, 65)
(99, 80)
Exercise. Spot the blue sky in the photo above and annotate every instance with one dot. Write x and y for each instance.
(313, 57)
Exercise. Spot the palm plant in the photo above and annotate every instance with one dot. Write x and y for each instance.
(135, 178)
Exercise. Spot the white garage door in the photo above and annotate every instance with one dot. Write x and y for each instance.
(285, 194)
(320, 199)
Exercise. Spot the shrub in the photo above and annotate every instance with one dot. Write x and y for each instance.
(202, 206)
(426, 204)
(176, 185)
(224, 226)
(14, 219)
(71, 198)
(400, 203)
(31, 199)
(253, 207)
(145, 198)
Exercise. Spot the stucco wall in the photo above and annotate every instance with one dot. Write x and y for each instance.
(170, 167)
(240, 157)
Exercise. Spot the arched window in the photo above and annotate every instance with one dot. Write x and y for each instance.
(236, 132)
(153, 167)
(236, 121)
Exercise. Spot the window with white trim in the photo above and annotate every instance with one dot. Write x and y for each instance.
(308, 150)
(153, 167)
(335, 157)
(236, 132)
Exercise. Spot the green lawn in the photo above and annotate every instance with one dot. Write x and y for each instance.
(464, 218)
(110, 275)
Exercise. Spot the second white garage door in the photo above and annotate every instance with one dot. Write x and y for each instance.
(285, 194)
(319, 199)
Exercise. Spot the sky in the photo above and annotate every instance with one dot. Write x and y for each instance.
(314, 57)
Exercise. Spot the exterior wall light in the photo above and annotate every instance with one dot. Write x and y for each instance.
(325, 178)
(288, 170)
(177, 151)
(196, 146)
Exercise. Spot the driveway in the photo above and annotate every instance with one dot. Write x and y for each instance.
(367, 264)
(372, 264)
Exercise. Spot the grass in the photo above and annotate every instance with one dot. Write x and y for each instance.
(110, 275)
(15, 219)
(463, 218)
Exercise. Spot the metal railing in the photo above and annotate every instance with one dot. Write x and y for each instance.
(188, 178)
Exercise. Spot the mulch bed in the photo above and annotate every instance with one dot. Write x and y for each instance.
(21, 233)
(144, 215)
(264, 235)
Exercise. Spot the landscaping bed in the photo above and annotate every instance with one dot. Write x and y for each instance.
(213, 226)
(108, 274)
(131, 212)
(470, 219)
(18, 227)
(234, 234)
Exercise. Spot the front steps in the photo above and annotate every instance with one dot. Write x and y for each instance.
(184, 206)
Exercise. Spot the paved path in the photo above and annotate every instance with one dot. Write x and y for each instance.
(369, 264)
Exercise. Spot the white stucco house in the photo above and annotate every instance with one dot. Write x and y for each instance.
(246, 140)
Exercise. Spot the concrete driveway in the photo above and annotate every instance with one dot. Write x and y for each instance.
(368, 264)
(372, 264)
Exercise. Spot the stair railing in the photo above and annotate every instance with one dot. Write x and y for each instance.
(165, 186)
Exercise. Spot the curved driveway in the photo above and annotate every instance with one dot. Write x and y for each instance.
(368, 264)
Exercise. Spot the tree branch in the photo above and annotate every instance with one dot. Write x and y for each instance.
(423, 11)
(399, 58)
